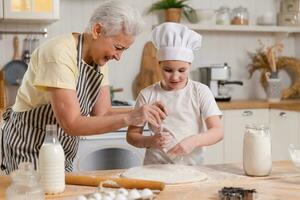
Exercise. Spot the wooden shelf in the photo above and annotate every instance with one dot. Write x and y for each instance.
(245, 28)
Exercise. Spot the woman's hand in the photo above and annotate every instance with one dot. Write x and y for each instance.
(184, 147)
(153, 114)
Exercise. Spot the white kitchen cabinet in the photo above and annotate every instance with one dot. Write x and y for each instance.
(284, 130)
(1, 10)
(234, 126)
(30, 10)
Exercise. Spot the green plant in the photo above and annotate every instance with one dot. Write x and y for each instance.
(188, 11)
(166, 4)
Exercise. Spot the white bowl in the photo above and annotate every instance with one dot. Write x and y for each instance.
(206, 16)
(268, 18)
(294, 150)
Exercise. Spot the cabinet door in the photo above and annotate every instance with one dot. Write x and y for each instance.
(1, 9)
(284, 130)
(35, 10)
(235, 122)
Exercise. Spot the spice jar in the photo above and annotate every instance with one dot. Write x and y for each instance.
(240, 16)
(25, 184)
(257, 159)
(223, 16)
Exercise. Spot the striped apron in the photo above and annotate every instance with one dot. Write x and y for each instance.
(24, 132)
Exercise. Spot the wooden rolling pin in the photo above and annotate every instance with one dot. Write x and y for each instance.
(128, 183)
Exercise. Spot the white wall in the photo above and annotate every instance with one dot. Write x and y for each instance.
(217, 47)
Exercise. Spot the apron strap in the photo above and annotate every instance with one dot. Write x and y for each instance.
(79, 48)
(7, 113)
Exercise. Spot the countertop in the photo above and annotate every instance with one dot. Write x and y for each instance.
(283, 183)
(291, 105)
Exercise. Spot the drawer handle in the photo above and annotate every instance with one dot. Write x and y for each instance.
(282, 114)
(247, 113)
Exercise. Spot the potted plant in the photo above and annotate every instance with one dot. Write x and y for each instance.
(173, 9)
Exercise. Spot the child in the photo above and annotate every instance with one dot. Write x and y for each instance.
(189, 103)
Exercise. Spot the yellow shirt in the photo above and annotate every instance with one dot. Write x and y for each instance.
(54, 64)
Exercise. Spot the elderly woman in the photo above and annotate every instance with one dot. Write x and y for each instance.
(66, 84)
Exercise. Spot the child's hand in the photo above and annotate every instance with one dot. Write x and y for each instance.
(157, 141)
(169, 140)
(161, 140)
(184, 147)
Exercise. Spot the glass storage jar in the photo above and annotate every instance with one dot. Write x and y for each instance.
(240, 16)
(257, 159)
(25, 184)
(223, 16)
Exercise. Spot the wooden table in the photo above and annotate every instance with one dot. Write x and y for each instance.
(283, 183)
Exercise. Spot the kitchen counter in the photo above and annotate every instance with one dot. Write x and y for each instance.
(283, 183)
(292, 105)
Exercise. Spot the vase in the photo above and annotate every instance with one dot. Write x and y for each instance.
(273, 88)
(173, 15)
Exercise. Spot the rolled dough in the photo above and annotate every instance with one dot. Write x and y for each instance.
(167, 173)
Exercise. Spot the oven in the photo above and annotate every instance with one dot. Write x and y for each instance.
(107, 151)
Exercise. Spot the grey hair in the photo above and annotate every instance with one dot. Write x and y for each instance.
(117, 16)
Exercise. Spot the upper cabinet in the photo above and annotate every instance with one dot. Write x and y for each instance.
(30, 10)
(1, 10)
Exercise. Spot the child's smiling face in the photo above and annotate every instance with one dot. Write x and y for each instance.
(174, 73)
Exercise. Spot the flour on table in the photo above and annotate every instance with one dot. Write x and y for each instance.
(167, 173)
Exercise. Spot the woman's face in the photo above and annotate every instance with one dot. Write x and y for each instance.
(174, 73)
(106, 48)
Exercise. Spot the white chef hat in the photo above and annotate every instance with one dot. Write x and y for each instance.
(175, 41)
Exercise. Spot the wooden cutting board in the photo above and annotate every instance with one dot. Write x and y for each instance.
(2, 91)
(149, 70)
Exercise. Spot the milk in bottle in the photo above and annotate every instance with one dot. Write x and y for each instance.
(52, 162)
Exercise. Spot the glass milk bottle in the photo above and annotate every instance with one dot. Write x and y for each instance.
(52, 162)
(257, 159)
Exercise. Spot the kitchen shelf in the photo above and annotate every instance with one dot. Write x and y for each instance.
(245, 28)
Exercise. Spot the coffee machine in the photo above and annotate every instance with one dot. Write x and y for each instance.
(216, 77)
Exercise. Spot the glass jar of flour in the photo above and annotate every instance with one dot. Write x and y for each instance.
(257, 159)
